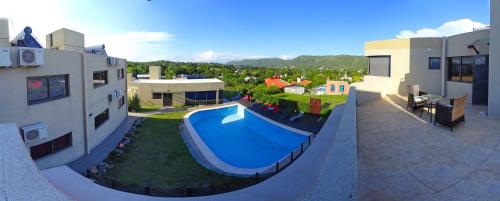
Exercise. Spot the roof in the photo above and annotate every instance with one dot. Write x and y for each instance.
(181, 81)
(303, 82)
(276, 82)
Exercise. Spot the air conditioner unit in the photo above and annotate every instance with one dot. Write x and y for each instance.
(30, 56)
(35, 132)
(120, 93)
(5, 57)
(113, 96)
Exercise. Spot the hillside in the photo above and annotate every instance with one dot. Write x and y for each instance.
(335, 61)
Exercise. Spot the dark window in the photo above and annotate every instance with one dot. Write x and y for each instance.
(460, 69)
(101, 118)
(379, 66)
(47, 88)
(52, 146)
(332, 88)
(100, 78)
(120, 73)
(341, 88)
(121, 102)
(156, 95)
(200, 97)
(434, 63)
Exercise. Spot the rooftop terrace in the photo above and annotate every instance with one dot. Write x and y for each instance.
(404, 157)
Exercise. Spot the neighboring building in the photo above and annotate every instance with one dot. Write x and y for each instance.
(336, 87)
(188, 77)
(60, 97)
(276, 81)
(176, 92)
(294, 89)
(302, 82)
(448, 66)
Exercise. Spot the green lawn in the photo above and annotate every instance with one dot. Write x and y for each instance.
(149, 108)
(159, 157)
(332, 99)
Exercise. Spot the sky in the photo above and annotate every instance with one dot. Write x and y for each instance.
(226, 30)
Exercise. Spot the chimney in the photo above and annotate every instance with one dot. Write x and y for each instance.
(4, 32)
(299, 80)
(154, 72)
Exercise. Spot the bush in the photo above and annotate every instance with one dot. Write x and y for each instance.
(304, 107)
(134, 103)
(273, 90)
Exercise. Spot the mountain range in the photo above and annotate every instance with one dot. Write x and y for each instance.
(332, 61)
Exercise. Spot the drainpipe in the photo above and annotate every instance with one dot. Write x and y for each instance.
(84, 103)
(443, 67)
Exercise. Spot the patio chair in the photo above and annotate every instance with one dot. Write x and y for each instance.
(451, 115)
(414, 102)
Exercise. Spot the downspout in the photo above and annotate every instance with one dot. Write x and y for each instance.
(443, 67)
(84, 104)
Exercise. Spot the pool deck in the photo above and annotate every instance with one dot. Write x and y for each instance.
(404, 157)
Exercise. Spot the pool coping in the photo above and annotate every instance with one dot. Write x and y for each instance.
(218, 163)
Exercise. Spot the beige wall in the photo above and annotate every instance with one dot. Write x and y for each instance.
(457, 45)
(65, 39)
(494, 66)
(66, 114)
(155, 72)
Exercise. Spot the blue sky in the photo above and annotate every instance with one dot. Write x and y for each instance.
(223, 30)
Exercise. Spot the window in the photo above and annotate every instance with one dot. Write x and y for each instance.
(120, 73)
(101, 118)
(121, 102)
(342, 88)
(50, 147)
(100, 78)
(332, 88)
(47, 88)
(434, 63)
(460, 69)
(200, 97)
(379, 66)
(156, 95)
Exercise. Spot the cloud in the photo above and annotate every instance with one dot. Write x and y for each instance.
(220, 57)
(447, 29)
(286, 57)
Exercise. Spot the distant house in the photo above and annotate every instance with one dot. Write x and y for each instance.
(336, 87)
(276, 81)
(301, 82)
(294, 89)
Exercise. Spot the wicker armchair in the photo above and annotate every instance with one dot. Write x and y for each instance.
(453, 114)
(415, 103)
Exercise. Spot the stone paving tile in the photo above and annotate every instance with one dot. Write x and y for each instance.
(405, 157)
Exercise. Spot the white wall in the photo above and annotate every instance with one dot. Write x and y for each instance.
(494, 66)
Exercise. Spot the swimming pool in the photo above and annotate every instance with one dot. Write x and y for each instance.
(238, 140)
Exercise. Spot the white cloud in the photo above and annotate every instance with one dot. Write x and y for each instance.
(220, 57)
(47, 16)
(447, 29)
(286, 57)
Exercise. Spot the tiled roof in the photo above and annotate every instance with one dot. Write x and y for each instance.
(276, 82)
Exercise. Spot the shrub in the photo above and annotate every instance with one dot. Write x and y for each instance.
(273, 90)
(304, 107)
(134, 103)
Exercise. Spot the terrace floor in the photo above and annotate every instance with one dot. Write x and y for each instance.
(402, 156)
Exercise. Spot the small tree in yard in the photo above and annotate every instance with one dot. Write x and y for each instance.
(134, 103)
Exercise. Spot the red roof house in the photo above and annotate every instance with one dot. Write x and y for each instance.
(276, 81)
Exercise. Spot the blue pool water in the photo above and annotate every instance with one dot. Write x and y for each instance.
(242, 139)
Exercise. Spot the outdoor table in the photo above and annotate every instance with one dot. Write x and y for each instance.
(431, 102)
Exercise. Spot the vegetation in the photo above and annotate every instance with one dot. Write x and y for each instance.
(303, 101)
(149, 108)
(159, 157)
(337, 61)
(134, 103)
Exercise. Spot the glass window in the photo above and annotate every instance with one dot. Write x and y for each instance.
(38, 89)
(47, 88)
(341, 88)
(100, 78)
(120, 73)
(156, 95)
(101, 118)
(379, 66)
(121, 102)
(467, 68)
(454, 69)
(52, 146)
(332, 88)
(434, 63)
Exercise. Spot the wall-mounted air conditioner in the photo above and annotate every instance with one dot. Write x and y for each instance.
(5, 57)
(35, 132)
(113, 96)
(31, 56)
(120, 93)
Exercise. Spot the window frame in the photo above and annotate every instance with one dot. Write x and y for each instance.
(106, 81)
(101, 119)
(120, 73)
(430, 63)
(156, 97)
(450, 64)
(380, 56)
(49, 98)
(121, 102)
(50, 146)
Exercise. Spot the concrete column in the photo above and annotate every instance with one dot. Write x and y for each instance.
(443, 67)
(155, 72)
(494, 65)
(217, 96)
(4, 32)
